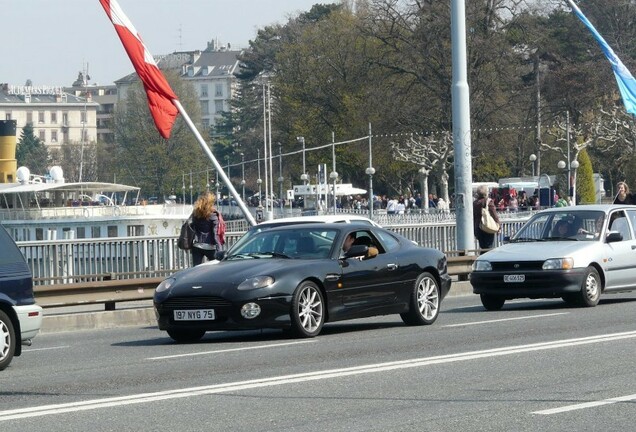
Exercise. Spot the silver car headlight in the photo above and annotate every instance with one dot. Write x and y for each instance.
(255, 283)
(165, 285)
(482, 265)
(558, 264)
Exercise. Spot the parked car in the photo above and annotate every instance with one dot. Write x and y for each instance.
(20, 317)
(575, 253)
(297, 277)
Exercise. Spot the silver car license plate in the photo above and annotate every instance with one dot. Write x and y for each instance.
(194, 315)
(515, 278)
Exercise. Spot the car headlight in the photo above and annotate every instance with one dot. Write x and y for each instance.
(482, 265)
(255, 283)
(558, 264)
(165, 285)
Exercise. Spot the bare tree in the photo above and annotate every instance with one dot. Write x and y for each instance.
(429, 153)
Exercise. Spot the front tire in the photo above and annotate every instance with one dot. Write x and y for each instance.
(186, 336)
(308, 310)
(7, 340)
(590, 288)
(424, 302)
(491, 302)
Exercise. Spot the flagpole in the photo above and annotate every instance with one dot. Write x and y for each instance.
(219, 169)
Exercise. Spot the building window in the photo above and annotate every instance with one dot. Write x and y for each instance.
(83, 117)
(218, 106)
(204, 90)
(54, 136)
(204, 108)
(112, 230)
(135, 231)
(30, 118)
(218, 90)
(42, 135)
(65, 119)
(80, 232)
(39, 234)
(54, 117)
(40, 116)
(96, 232)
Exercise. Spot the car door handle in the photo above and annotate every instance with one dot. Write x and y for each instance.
(392, 266)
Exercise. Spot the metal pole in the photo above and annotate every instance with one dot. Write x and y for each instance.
(280, 175)
(334, 174)
(370, 171)
(567, 131)
(461, 128)
(243, 174)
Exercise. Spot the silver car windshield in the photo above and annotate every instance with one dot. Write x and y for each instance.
(296, 243)
(566, 225)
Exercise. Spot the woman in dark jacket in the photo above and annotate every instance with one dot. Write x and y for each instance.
(204, 222)
(486, 240)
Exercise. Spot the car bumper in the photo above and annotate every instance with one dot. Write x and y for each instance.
(275, 313)
(30, 317)
(445, 284)
(537, 284)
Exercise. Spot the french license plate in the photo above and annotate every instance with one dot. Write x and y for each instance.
(515, 278)
(194, 315)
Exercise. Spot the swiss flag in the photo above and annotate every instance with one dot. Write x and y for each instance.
(160, 95)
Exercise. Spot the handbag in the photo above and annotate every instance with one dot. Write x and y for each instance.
(487, 223)
(186, 237)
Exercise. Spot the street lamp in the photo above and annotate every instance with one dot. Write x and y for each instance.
(243, 174)
(259, 181)
(533, 158)
(303, 177)
(280, 175)
(333, 175)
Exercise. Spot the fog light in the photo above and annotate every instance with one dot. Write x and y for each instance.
(250, 310)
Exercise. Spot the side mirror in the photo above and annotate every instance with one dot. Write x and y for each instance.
(220, 255)
(614, 236)
(506, 239)
(356, 251)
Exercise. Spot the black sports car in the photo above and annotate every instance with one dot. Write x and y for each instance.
(299, 277)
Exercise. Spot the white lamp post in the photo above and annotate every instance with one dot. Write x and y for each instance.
(304, 176)
(533, 158)
(574, 165)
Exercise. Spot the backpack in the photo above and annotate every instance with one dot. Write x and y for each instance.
(220, 228)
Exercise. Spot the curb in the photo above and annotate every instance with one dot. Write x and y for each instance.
(144, 315)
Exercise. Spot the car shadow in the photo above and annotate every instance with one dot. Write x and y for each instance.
(538, 304)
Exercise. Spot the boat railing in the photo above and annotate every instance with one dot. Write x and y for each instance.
(85, 212)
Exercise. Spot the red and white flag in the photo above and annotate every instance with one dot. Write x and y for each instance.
(160, 95)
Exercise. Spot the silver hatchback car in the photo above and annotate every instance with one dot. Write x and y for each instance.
(576, 253)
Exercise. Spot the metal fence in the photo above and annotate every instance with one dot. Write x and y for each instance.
(72, 261)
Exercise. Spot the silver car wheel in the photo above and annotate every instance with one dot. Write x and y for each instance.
(7, 340)
(428, 298)
(308, 310)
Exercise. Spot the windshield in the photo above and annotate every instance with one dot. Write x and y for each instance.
(566, 225)
(296, 243)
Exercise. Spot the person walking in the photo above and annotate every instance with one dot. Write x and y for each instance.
(485, 240)
(623, 195)
(205, 221)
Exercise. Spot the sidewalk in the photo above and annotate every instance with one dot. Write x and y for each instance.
(138, 313)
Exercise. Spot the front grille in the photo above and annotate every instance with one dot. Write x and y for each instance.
(517, 266)
(201, 302)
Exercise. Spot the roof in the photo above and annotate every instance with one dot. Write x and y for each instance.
(14, 188)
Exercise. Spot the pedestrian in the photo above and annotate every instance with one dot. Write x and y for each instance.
(205, 220)
(486, 240)
(623, 196)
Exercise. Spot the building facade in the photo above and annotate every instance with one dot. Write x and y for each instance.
(56, 116)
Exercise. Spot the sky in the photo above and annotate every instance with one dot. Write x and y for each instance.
(51, 41)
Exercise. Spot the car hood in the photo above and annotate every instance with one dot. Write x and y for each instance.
(538, 251)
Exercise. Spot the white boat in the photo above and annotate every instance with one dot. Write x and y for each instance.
(48, 208)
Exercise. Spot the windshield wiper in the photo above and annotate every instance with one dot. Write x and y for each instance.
(561, 238)
(524, 239)
(276, 254)
(243, 256)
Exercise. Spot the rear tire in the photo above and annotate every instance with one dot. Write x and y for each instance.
(424, 301)
(186, 336)
(7, 340)
(590, 288)
(491, 302)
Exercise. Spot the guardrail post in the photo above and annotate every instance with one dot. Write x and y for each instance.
(462, 276)
(109, 306)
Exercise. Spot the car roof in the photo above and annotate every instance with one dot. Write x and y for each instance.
(345, 218)
(324, 225)
(587, 207)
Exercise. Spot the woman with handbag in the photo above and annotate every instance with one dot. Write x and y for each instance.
(486, 238)
(204, 222)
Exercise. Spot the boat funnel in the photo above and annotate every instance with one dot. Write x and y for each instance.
(8, 163)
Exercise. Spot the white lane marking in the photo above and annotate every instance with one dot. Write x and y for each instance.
(228, 350)
(505, 319)
(44, 349)
(37, 411)
(586, 405)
